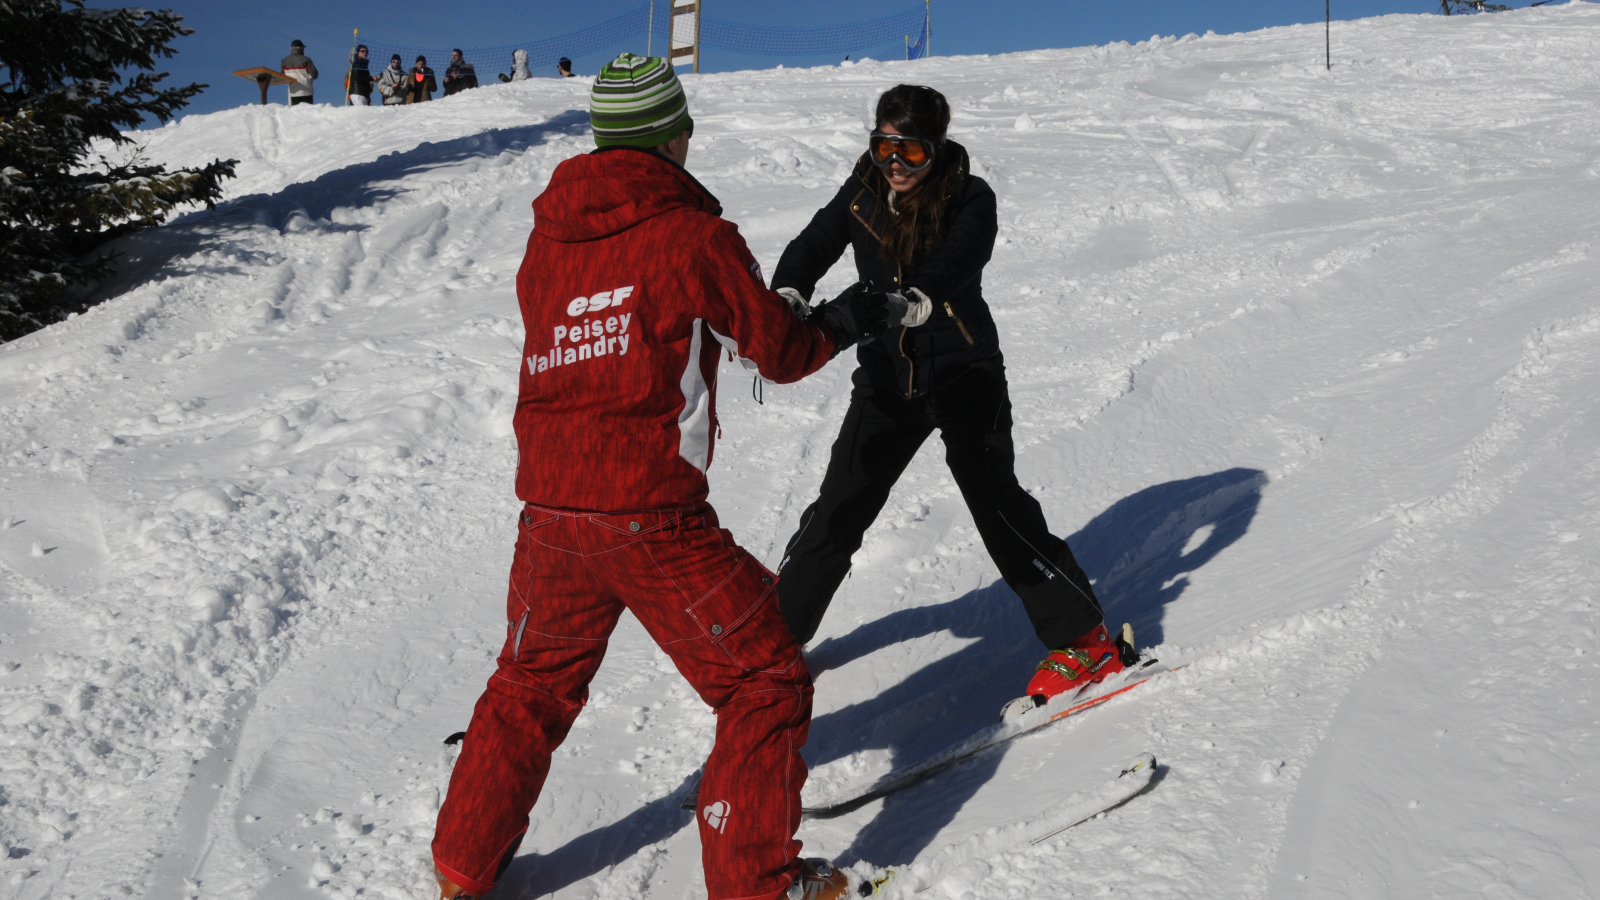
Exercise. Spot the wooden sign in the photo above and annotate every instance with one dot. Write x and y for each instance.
(264, 77)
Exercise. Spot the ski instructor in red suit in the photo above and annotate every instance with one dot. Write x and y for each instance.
(632, 287)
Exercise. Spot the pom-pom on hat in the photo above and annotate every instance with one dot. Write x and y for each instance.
(637, 101)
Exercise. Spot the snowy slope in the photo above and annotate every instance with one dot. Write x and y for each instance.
(1305, 363)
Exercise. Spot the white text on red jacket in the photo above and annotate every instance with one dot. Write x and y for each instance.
(590, 338)
(581, 305)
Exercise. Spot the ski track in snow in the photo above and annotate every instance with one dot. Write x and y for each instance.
(1303, 362)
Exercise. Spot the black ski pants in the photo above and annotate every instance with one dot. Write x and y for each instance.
(881, 433)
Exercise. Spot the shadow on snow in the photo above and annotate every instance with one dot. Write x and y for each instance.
(1138, 552)
(308, 205)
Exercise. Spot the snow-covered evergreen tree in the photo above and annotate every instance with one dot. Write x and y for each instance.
(60, 91)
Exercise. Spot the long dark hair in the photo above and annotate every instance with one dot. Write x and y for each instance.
(918, 222)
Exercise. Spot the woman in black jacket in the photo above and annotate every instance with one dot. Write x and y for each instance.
(358, 81)
(922, 225)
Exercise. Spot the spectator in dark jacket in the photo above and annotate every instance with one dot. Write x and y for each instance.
(302, 71)
(564, 66)
(358, 83)
(460, 76)
(419, 83)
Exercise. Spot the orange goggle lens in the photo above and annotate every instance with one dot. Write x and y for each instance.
(914, 153)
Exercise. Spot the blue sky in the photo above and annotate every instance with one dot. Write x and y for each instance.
(230, 34)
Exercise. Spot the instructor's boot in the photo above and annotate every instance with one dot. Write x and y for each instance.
(449, 890)
(818, 880)
(1085, 661)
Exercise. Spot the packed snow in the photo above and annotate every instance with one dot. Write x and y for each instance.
(1306, 365)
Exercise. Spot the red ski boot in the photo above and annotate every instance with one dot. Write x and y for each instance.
(1087, 660)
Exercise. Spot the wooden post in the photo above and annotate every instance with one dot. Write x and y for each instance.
(685, 40)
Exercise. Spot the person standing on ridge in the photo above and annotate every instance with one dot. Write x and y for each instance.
(919, 221)
(392, 83)
(460, 75)
(519, 67)
(419, 82)
(615, 423)
(299, 67)
(358, 83)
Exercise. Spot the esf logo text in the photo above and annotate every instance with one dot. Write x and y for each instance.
(602, 300)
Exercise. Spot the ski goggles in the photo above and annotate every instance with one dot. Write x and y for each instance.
(915, 154)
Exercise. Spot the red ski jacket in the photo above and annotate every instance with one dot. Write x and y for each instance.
(631, 287)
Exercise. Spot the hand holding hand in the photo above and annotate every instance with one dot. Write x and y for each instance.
(859, 314)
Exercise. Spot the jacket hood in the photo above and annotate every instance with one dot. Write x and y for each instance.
(609, 191)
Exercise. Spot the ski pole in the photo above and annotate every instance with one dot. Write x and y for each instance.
(350, 73)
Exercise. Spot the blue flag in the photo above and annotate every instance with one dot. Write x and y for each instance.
(919, 50)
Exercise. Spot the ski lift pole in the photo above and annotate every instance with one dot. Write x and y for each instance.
(927, 29)
(908, 48)
(350, 73)
(1327, 32)
(650, 29)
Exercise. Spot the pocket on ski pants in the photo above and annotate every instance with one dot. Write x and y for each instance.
(741, 617)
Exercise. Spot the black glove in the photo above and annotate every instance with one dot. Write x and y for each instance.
(856, 316)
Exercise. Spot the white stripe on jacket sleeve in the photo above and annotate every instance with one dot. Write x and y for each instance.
(694, 422)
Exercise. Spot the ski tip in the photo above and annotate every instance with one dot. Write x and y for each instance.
(872, 886)
(455, 739)
(1143, 765)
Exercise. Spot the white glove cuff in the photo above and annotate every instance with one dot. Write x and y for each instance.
(796, 302)
(918, 308)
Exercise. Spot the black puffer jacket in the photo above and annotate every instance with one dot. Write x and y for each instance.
(359, 78)
(960, 332)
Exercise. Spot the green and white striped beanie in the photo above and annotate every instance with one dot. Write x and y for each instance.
(637, 101)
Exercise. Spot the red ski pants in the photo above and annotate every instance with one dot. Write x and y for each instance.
(713, 608)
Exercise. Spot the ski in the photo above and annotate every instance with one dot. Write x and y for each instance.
(928, 872)
(1060, 708)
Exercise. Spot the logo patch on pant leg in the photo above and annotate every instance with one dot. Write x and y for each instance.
(716, 815)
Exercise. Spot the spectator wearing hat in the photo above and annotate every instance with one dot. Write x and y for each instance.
(301, 72)
(419, 82)
(392, 83)
(460, 75)
(564, 66)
